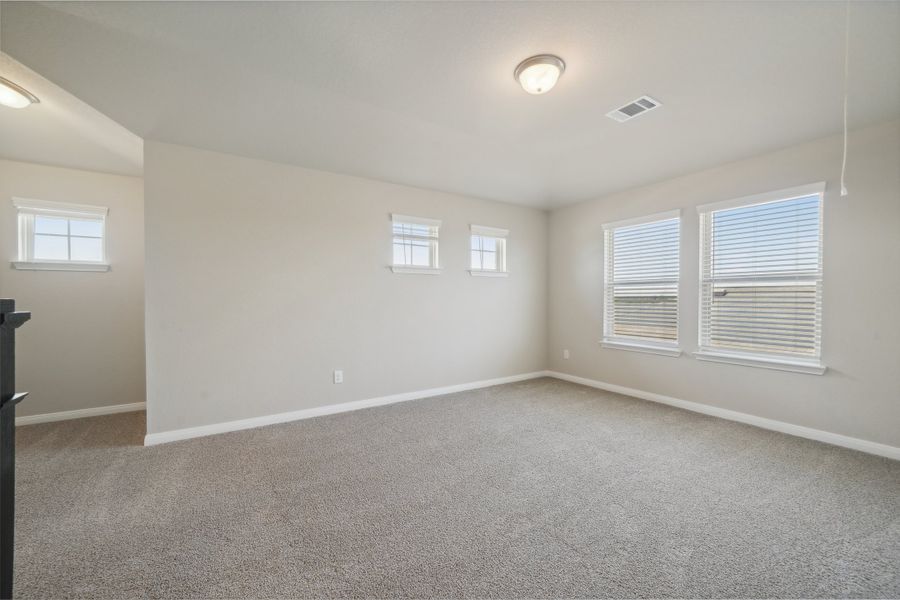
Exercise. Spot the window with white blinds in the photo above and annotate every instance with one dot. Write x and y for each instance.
(641, 283)
(761, 280)
(415, 244)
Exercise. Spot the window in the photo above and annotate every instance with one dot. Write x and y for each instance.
(415, 245)
(761, 280)
(488, 251)
(60, 236)
(641, 284)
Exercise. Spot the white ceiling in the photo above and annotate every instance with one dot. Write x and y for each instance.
(64, 131)
(422, 93)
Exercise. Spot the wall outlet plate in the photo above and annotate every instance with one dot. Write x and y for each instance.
(566, 354)
(338, 376)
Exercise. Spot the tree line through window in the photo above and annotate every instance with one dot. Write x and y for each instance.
(761, 278)
(642, 280)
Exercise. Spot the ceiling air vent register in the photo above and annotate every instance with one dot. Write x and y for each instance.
(633, 109)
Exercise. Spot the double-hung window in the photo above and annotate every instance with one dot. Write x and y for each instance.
(761, 280)
(641, 284)
(61, 236)
(415, 244)
(488, 251)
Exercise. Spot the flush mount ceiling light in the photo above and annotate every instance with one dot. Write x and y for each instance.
(538, 74)
(15, 96)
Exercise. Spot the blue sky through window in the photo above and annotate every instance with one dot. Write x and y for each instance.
(776, 238)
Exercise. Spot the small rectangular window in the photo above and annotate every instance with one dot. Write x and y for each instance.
(761, 280)
(487, 251)
(641, 284)
(415, 244)
(61, 236)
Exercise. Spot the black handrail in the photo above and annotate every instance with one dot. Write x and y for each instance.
(10, 319)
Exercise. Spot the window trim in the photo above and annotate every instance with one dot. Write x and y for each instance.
(660, 216)
(647, 346)
(434, 268)
(798, 364)
(47, 265)
(396, 218)
(791, 193)
(754, 360)
(487, 273)
(492, 232)
(416, 270)
(27, 209)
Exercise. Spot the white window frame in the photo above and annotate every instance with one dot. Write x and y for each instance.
(500, 236)
(434, 268)
(775, 361)
(627, 343)
(28, 208)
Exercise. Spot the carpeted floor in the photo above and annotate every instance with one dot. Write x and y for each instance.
(535, 489)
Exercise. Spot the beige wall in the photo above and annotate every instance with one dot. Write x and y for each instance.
(263, 278)
(84, 347)
(253, 300)
(859, 395)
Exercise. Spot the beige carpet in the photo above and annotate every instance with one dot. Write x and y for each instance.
(536, 489)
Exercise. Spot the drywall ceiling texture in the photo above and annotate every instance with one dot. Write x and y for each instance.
(84, 345)
(858, 395)
(422, 93)
(261, 279)
(62, 130)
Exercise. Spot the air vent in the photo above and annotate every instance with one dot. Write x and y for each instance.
(633, 109)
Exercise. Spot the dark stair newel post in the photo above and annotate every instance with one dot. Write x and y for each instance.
(9, 321)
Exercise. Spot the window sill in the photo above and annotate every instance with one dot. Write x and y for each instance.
(639, 347)
(482, 273)
(795, 366)
(415, 270)
(59, 266)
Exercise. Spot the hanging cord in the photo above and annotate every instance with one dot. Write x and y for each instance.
(846, 77)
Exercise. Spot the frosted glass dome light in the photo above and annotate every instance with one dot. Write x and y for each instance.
(538, 74)
(15, 96)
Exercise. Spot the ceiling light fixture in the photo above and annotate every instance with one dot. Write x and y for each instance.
(15, 96)
(538, 74)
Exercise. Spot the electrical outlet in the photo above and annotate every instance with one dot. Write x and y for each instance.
(566, 354)
(338, 376)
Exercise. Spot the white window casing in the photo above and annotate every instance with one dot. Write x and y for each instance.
(415, 245)
(59, 236)
(640, 284)
(487, 251)
(761, 280)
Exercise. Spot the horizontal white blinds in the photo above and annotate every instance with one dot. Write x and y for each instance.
(761, 278)
(641, 275)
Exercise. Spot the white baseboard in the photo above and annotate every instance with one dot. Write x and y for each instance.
(723, 413)
(80, 413)
(151, 439)
(732, 415)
